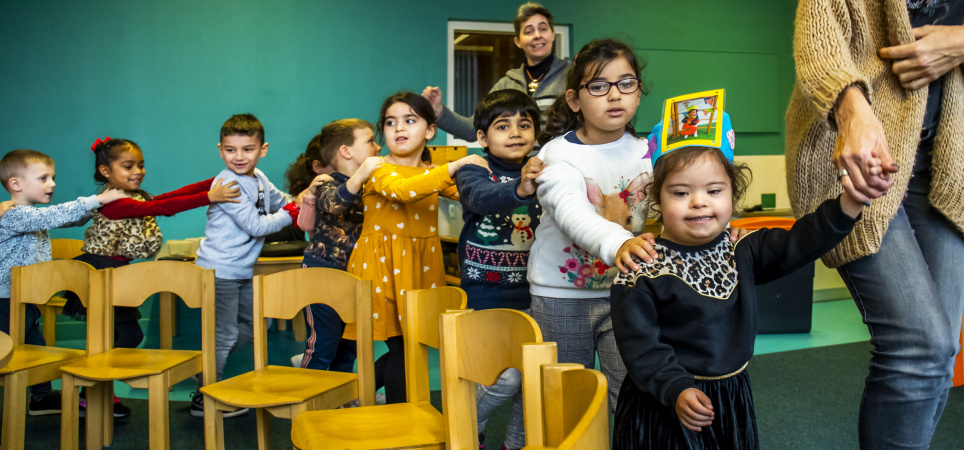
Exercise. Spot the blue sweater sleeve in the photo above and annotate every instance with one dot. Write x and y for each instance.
(483, 197)
(246, 216)
(28, 219)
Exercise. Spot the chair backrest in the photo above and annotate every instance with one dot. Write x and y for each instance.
(66, 248)
(476, 347)
(283, 294)
(420, 327)
(131, 285)
(38, 283)
(576, 405)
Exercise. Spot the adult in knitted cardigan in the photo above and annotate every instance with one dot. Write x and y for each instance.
(861, 97)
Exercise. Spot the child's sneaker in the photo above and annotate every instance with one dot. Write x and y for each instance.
(296, 359)
(121, 410)
(197, 407)
(481, 441)
(50, 404)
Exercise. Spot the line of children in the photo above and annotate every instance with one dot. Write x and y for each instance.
(501, 215)
(685, 325)
(28, 176)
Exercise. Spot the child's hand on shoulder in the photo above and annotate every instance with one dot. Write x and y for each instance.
(694, 409)
(527, 181)
(111, 195)
(6, 206)
(640, 246)
(224, 193)
(309, 192)
(737, 233)
(369, 165)
(471, 159)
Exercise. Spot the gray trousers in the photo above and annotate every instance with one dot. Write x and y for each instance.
(233, 317)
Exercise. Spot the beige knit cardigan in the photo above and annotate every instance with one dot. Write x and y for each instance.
(835, 45)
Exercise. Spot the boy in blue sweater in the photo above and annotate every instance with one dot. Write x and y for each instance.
(501, 214)
(234, 235)
(28, 176)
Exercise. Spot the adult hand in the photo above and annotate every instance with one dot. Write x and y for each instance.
(434, 96)
(936, 50)
(861, 147)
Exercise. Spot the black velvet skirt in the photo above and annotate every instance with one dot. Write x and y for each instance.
(642, 422)
(76, 310)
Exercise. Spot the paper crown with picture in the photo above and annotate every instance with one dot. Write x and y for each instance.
(691, 120)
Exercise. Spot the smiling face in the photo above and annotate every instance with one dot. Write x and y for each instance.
(127, 171)
(406, 132)
(241, 153)
(696, 202)
(606, 116)
(509, 138)
(36, 184)
(535, 39)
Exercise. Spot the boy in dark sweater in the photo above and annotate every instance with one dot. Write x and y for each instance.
(501, 214)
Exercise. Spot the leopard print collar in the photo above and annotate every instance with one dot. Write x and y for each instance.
(709, 269)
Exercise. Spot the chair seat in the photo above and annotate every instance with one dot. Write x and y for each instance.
(400, 425)
(123, 363)
(29, 356)
(276, 385)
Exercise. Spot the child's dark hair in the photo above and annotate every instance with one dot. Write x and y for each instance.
(244, 125)
(505, 102)
(15, 162)
(107, 152)
(526, 11)
(419, 104)
(594, 56)
(322, 148)
(676, 160)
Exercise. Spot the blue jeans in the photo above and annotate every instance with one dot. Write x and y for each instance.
(233, 317)
(911, 296)
(31, 336)
(325, 349)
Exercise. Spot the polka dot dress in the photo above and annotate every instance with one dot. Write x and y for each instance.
(399, 248)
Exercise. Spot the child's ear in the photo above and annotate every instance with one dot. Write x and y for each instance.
(480, 136)
(264, 150)
(105, 171)
(14, 184)
(572, 98)
(318, 168)
(430, 132)
(345, 152)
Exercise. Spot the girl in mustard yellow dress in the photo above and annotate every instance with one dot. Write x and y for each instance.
(399, 248)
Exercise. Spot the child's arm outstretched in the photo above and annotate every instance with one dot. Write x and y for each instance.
(27, 219)
(562, 192)
(196, 195)
(414, 188)
(480, 195)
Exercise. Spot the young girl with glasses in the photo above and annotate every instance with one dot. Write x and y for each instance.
(591, 192)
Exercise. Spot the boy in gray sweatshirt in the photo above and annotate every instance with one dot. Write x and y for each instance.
(234, 235)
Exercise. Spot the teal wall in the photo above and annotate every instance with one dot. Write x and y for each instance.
(166, 74)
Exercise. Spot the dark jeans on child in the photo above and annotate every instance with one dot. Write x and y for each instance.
(325, 349)
(32, 336)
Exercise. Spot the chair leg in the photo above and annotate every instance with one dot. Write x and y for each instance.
(14, 409)
(69, 414)
(96, 405)
(264, 429)
(157, 398)
(50, 329)
(213, 425)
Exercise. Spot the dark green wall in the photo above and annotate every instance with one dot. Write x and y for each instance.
(167, 74)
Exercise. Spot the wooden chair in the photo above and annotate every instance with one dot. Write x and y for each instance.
(286, 391)
(31, 364)
(59, 249)
(415, 423)
(477, 346)
(153, 369)
(576, 407)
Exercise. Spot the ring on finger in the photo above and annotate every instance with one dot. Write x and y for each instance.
(842, 173)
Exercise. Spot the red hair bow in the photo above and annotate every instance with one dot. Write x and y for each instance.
(93, 148)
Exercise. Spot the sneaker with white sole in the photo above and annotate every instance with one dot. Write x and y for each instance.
(296, 359)
(48, 405)
(197, 407)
